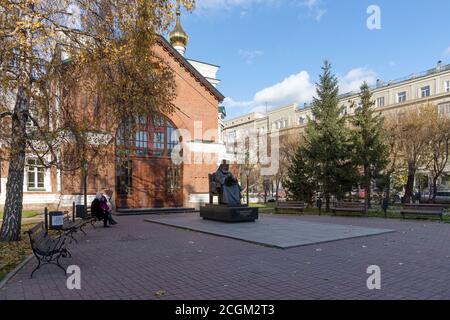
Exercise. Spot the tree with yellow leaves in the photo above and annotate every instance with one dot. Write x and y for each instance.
(52, 50)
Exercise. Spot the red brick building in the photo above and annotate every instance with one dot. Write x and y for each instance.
(150, 178)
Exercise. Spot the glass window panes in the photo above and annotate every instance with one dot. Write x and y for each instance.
(172, 137)
(425, 91)
(401, 97)
(380, 102)
(124, 176)
(153, 135)
(35, 175)
(444, 108)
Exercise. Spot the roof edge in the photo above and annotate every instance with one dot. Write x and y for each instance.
(216, 93)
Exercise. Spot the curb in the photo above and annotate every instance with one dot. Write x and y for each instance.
(13, 272)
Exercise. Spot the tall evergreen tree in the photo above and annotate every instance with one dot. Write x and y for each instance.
(300, 181)
(370, 149)
(327, 139)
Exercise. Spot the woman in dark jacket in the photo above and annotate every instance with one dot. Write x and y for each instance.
(97, 211)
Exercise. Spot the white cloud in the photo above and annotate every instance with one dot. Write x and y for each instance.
(353, 80)
(294, 89)
(250, 56)
(319, 14)
(315, 9)
(298, 88)
(228, 4)
(447, 52)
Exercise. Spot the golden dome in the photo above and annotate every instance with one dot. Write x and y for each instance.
(178, 37)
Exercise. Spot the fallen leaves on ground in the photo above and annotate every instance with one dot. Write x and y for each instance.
(13, 253)
(160, 293)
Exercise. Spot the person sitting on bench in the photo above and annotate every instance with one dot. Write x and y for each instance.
(107, 210)
(97, 210)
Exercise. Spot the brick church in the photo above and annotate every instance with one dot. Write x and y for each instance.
(150, 179)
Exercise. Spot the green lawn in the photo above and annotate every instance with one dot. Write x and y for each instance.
(26, 214)
(30, 214)
(393, 213)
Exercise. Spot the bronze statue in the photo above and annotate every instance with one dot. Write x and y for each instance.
(223, 184)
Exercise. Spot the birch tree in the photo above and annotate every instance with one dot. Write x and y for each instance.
(50, 50)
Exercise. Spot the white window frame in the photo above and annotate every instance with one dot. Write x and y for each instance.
(447, 86)
(381, 99)
(444, 109)
(35, 169)
(301, 120)
(425, 92)
(402, 94)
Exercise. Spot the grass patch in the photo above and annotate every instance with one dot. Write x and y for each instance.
(375, 212)
(26, 214)
(13, 253)
(30, 214)
(264, 207)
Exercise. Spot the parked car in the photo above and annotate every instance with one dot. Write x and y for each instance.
(441, 197)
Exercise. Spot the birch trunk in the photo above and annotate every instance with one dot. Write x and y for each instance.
(11, 226)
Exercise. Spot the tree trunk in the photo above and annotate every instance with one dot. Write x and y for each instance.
(388, 186)
(435, 179)
(368, 194)
(12, 215)
(327, 202)
(367, 189)
(277, 188)
(409, 188)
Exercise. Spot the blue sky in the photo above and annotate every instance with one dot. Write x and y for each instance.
(271, 51)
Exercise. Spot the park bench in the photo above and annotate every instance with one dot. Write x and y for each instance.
(47, 249)
(71, 226)
(85, 219)
(349, 207)
(290, 205)
(423, 210)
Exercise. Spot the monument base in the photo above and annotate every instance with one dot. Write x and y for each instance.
(225, 213)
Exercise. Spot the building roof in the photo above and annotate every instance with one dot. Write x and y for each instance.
(185, 63)
(378, 86)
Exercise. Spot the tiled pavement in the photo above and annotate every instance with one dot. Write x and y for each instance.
(135, 260)
(269, 230)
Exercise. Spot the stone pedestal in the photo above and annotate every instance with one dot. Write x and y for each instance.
(230, 214)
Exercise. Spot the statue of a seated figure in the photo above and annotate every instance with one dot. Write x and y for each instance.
(225, 185)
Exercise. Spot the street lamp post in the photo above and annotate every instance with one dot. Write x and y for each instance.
(247, 170)
(247, 173)
(84, 165)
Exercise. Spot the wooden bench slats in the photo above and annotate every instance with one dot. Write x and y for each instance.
(292, 205)
(420, 211)
(423, 209)
(349, 207)
(46, 249)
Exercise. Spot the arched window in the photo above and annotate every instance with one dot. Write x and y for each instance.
(153, 136)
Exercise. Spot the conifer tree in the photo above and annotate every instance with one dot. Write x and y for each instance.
(300, 181)
(328, 140)
(370, 149)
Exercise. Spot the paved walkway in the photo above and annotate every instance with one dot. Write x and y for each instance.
(269, 230)
(139, 260)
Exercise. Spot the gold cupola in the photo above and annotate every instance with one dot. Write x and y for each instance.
(178, 37)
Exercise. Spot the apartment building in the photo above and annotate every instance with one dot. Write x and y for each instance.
(391, 98)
